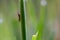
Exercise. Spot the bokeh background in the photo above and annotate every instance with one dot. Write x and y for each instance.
(41, 16)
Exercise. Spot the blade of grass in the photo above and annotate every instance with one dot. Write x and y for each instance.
(30, 19)
(23, 20)
(41, 21)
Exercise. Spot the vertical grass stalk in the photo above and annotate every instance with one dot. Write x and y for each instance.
(43, 11)
(22, 20)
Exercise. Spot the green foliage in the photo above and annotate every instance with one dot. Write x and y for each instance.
(37, 17)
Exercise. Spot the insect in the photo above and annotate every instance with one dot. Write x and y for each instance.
(19, 16)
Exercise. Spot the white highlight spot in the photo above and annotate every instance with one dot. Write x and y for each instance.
(1, 20)
(43, 2)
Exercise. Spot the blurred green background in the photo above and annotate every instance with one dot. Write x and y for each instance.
(40, 17)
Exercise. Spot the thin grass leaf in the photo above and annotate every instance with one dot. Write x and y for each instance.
(41, 21)
(23, 20)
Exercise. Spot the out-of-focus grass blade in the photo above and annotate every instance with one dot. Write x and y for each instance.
(31, 10)
(30, 18)
(40, 26)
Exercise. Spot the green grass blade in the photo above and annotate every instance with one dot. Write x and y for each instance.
(23, 20)
(41, 21)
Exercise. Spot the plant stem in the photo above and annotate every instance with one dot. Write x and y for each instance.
(22, 20)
